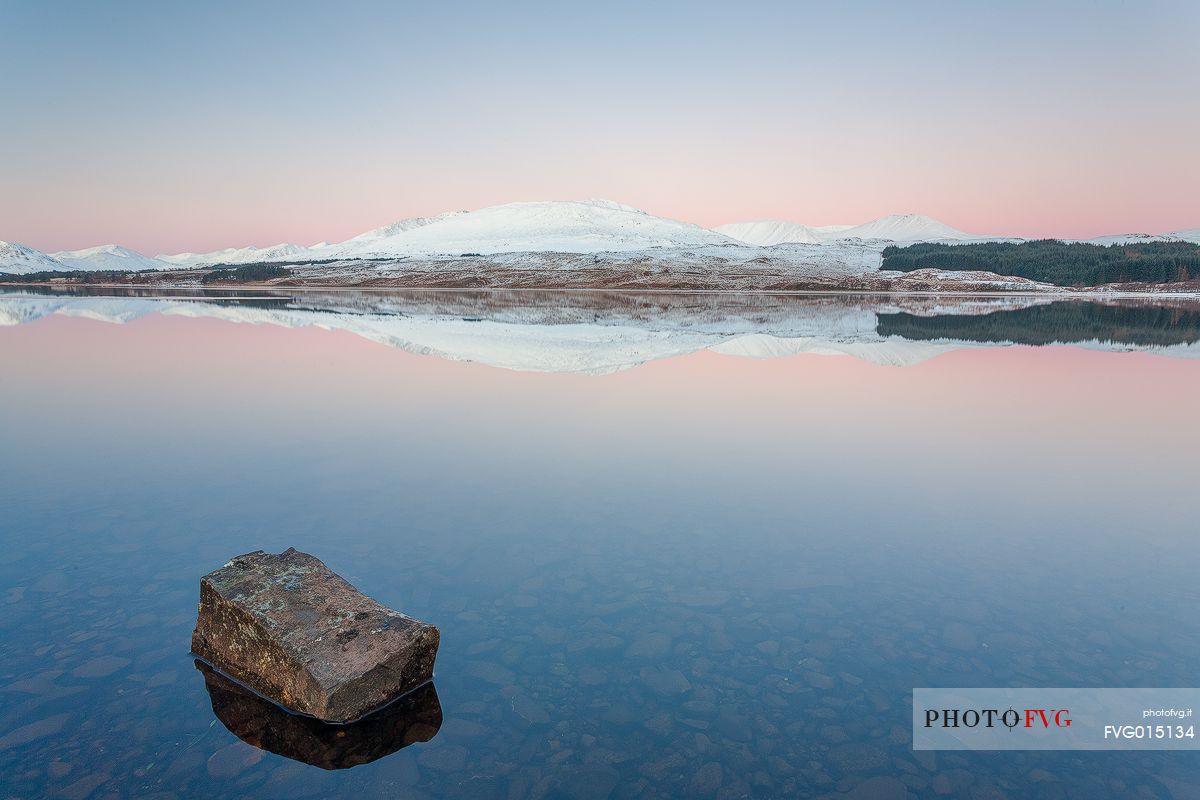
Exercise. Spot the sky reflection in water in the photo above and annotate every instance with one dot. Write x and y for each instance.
(707, 575)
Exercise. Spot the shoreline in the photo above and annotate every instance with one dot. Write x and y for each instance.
(966, 290)
(853, 270)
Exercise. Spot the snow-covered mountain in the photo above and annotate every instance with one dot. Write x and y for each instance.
(17, 259)
(894, 228)
(21, 260)
(567, 226)
(1127, 238)
(402, 226)
(904, 228)
(564, 226)
(769, 232)
(238, 255)
(107, 257)
(1191, 235)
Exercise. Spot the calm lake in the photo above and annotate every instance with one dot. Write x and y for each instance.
(677, 545)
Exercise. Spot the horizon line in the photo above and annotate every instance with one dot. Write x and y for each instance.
(589, 200)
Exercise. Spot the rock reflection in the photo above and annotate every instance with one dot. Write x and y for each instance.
(416, 717)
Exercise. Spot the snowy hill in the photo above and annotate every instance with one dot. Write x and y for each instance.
(1191, 235)
(17, 259)
(895, 228)
(565, 226)
(238, 255)
(904, 228)
(768, 232)
(1127, 238)
(107, 257)
(404, 225)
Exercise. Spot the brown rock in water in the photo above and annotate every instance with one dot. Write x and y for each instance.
(287, 626)
(415, 717)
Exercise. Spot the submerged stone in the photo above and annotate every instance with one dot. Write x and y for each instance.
(290, 628)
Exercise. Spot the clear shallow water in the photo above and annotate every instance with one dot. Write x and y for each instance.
(703, 576)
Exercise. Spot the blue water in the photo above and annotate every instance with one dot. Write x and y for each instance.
(702, 577)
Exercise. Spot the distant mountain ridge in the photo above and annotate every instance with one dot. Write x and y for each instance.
(566, 226)
(234, 255)
(894, 228)
(1192, 236)
(770, 232)
(904, 228)
(106, 257)
(17, 259)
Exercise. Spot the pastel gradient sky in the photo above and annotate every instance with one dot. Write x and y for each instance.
(172, 126)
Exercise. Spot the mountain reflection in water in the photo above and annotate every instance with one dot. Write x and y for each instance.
(601, 332)
(706, 577)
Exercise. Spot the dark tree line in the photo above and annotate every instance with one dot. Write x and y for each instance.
(77, 276)
(1057, 322)
(249, 272)
(1052, 261)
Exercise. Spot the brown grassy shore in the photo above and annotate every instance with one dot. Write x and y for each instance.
(577, 272)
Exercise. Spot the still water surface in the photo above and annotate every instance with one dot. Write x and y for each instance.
(705, 576)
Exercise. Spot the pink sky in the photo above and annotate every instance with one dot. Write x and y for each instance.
(178, 128)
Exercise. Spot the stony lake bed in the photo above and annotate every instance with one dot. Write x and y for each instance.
(599, 401)
(691, 545)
